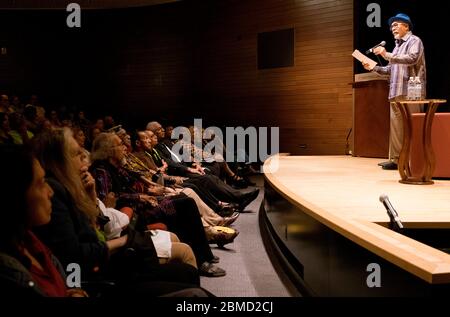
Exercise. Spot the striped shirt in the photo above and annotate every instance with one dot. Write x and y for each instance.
(406, 60)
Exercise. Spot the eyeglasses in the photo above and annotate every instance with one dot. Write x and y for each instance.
(397, 24)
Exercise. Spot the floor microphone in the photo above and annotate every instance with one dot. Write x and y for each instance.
(395, 222)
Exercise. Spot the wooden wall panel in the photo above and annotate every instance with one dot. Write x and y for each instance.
(310, 102)
(198, 59)
(84, 4)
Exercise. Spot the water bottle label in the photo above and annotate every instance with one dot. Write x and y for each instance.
(418, 91)
(411, 93)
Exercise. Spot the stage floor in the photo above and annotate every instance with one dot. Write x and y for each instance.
(350, 187)
(342, 192)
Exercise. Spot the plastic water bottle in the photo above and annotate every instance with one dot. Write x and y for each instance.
(417, 88)
(411, 89)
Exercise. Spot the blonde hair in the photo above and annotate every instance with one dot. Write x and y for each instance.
(52, 149)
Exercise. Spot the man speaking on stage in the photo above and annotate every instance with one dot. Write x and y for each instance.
(406, 60)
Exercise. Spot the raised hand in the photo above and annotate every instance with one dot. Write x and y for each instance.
(88, 182)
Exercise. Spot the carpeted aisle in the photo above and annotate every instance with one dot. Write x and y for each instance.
(249, 270)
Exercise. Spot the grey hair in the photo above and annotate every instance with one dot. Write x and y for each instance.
(121, 132)
(102, 148)
(153, 126)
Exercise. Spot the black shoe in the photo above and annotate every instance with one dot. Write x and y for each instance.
(248, 198)
(236, 182)
(215, 259)
(384, 163)
(390, 166)
(227, 211)
(211, 270)
(248, 181)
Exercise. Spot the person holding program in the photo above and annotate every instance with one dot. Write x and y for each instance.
(406, 60)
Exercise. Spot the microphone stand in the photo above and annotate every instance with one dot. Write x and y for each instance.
(379, 60)
(394, 222)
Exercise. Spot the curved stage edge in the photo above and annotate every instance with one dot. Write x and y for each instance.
(324, 253)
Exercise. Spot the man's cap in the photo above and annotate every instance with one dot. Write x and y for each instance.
(402, 18)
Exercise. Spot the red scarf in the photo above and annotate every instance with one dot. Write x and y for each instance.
(50, 280)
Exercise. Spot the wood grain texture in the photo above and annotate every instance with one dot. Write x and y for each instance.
(311, 102)
(84, 4)
(343, 193)
(371, 115)
(194, 59)
(202, 63)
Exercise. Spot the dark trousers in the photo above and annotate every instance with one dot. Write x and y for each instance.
(222, 191)
(181, 217)
(203, 192)
(151, 280)
(187, 225)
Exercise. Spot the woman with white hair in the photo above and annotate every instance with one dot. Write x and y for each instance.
(179, 213)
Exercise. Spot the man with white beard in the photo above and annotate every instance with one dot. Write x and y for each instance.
(406, 60)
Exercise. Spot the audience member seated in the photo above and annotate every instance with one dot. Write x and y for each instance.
(5, 137)
(168, 246)
(54, 119)
(126, 139)
(179, 213)
(27, 267)
(108, 123)
(209, 217)
(142, 144)
(82, 122)
(91, 232)
(99, 124)
(93, 133)
(78, 135)
(4, 104)
(224, 192)
(19, 131)
(30, 117)
(71, 233)
(40, 110)
(16, 104)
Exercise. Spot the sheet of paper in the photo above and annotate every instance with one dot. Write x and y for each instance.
(363, 58)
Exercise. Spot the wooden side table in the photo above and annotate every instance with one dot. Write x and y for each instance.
(403, 162)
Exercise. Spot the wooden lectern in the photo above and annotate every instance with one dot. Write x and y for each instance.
(371, 119)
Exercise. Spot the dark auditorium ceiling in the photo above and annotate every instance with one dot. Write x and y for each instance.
(84, 4)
